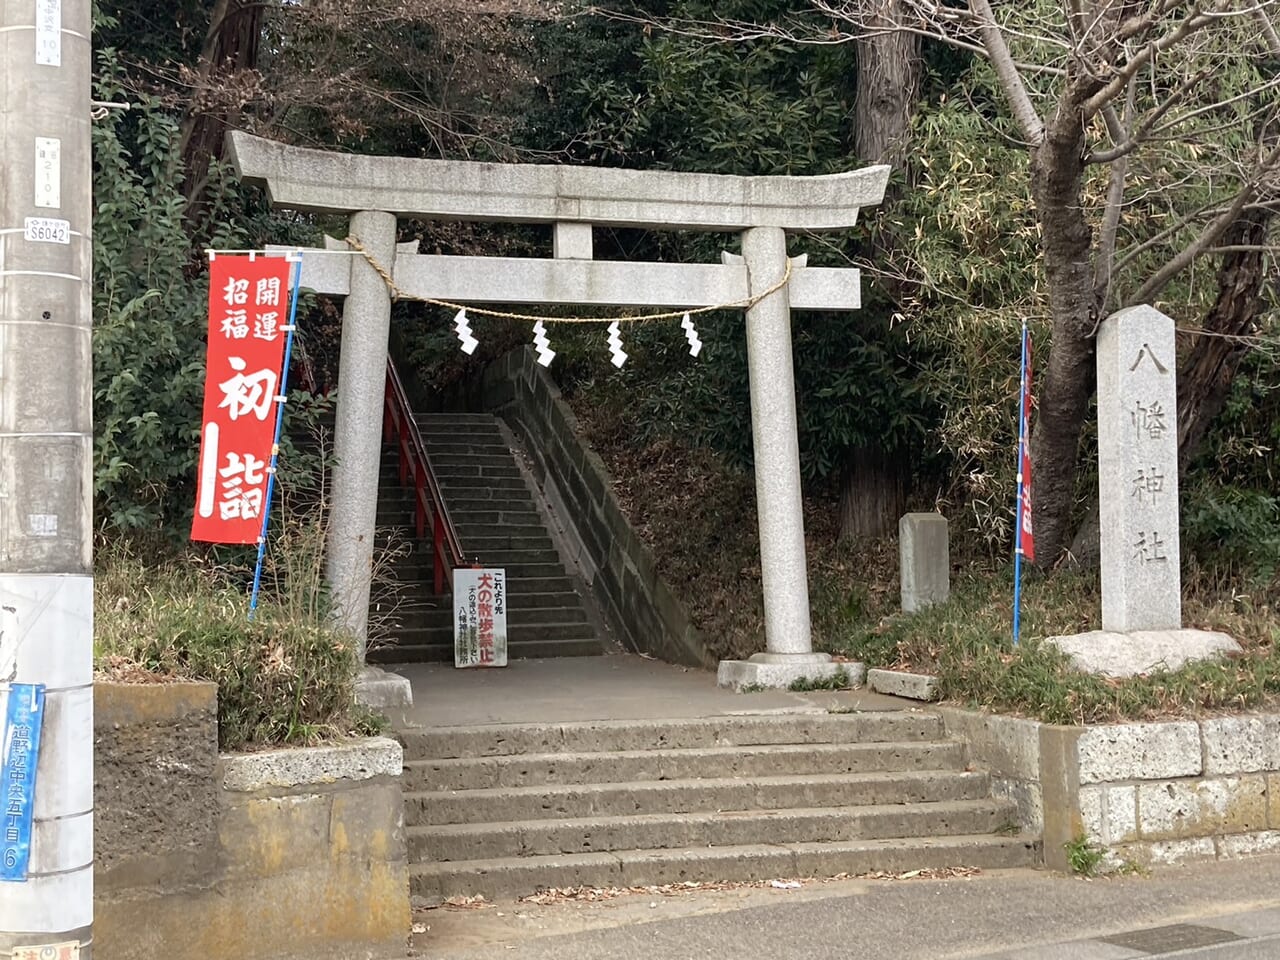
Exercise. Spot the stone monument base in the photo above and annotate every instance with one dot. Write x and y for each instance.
(379, 690)
(780, 670)
(1143, 651)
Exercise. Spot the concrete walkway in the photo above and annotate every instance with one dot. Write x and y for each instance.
(614, 687)
(1213, 911)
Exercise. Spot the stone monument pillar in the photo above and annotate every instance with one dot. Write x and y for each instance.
(788, 641)
(1138, 471)
(1138, 501)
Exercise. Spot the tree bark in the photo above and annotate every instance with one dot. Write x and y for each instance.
(1204, 380)
(1069, 378)
(230, 46)
(874, 481)
(872, 494)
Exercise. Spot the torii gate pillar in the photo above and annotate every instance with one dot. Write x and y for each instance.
(357, 433)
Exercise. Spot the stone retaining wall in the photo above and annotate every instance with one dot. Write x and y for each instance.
(1147, 793)
(286, 853)
(617, 565)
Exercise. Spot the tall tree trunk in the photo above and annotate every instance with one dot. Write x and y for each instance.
(1204, 381)
(872, 493)
(873, 482)
(230, 47)
(1067, 383)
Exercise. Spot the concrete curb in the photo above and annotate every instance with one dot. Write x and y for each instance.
(357, 760)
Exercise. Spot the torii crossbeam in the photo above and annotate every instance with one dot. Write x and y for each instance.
(376, 190)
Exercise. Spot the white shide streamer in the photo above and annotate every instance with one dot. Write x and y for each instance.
(463, 326)
(691, 334)
(542, 344)
(615, 345)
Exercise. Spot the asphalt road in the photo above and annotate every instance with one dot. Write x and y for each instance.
(1215, 911)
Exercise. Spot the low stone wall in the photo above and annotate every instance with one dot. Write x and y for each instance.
(285, 853)
(1146, 793)
(616, 564)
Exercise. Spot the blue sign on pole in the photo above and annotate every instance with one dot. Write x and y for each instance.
(19, 754)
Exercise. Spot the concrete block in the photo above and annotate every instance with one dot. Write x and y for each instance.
(925, 560)
(1165, 852)
(1027, 797)
(1108, 814)
(367, 823)
(1007, 746)
(1198, 808)
(1122, 814)
(1273, 800)
(1093, 814)
(1142, 652)
(898, 683)
(357, 760)
(263, 837)
(1241, 744)
(737, 674)
(1248, 844)
(1139, 751)
(379, 690)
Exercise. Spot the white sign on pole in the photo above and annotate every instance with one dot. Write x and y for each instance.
(479, 618)
(49, 33)
(48, 172)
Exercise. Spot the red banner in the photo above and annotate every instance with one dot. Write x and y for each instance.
(1024, 467)
(248, 307)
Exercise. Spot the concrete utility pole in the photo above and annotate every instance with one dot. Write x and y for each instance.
(46, 572)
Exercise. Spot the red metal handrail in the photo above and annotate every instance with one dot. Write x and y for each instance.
(429, 511)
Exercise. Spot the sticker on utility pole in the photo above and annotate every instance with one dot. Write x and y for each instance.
(49, 951)
(20, 755)
(479, 618)
(48, 172)
(49, 33)
(46, 230)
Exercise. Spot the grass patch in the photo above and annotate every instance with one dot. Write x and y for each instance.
(837, 681)
(287, 677)
(966, 644)
(1083, 857)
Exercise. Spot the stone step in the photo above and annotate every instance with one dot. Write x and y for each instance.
(483, 773)
(557, 801)
(443, 652)
(487, 498)
(485, 446)
(718, 828)
(447, 461)
(522, 516)
(408, 608)
(473, 531)
(606, 736)
(515, 876)
(477, 472)
(517, 616)
(412, 634)
(419, 591)
(503, 543)
(417, 568)
(461, 506)
(514, 560)
(472, 487)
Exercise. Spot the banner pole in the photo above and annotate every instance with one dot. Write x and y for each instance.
(275, 445)
(1017, 536)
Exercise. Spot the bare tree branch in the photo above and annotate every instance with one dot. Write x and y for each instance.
(1010, 80)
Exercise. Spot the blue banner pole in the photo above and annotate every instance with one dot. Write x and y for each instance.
(275, 446)
(1017, 524)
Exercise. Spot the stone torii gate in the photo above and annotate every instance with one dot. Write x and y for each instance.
(375, 190)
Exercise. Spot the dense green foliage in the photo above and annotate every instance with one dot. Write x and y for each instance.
(150, 308)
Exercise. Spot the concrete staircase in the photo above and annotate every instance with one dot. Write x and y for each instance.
(504, 810)
(499, 525)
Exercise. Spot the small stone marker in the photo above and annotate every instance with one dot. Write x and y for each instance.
(899, 683)
(1138, 472)
(925, 560)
